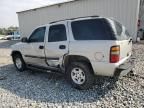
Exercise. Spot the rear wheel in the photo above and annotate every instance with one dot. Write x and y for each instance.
(80, 75)
(19, 62)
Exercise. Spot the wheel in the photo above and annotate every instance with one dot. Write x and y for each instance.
(80, 75)
(19, 62)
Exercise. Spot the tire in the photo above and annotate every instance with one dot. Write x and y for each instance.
(86, 79)
(18, 58)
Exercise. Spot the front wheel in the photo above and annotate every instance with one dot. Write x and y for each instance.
(19, 62)
(80, 75)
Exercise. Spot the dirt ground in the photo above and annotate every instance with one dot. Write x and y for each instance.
(32, 89)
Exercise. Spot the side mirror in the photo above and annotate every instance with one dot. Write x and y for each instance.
(24, 39)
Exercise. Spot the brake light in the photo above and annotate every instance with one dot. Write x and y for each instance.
(114, 54)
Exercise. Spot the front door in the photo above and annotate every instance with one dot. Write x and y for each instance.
(56, 43)
(34, 49)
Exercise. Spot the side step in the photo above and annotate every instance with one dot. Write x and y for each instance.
(45, 69)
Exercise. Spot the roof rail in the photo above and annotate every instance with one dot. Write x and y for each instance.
(71, 19)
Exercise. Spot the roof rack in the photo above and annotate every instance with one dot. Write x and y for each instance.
(71, 19)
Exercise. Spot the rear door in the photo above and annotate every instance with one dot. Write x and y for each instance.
(57, 42)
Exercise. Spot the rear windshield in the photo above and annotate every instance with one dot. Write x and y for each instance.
(119, 30)
(127, 33)
(92, 29)
(118, 27)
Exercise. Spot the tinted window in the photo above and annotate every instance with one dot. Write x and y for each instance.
(119, 30)
(38, 35)
(94, 29)
(57, 33)
(127, 33)
(118, 27)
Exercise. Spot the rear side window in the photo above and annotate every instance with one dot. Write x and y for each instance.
(119, 32)
(93, 29)
(57, 33)
(118, 27)
(127, 33)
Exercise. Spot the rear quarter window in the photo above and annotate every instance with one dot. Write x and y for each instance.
(118, 27)
(127, 33)
(92, 29)
(119, 32)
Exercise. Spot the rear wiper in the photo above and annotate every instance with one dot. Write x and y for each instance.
(130, 40)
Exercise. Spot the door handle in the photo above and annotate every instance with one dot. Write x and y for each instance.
(41, 47)
(62, 47)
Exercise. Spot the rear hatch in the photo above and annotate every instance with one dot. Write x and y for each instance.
(123, 40)
(125, 49)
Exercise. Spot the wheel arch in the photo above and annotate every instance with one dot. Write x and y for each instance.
(77, 58)
(15, 52)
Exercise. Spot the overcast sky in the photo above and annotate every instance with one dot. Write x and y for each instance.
(8, 9)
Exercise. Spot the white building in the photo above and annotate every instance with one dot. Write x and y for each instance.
(141, 14)
(125, 11)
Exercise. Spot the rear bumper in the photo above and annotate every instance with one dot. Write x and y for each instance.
(124, 68)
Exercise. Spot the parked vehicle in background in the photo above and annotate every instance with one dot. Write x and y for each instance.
(80, 48)
(12, 36)
(16, 37)
(8, 37)
(1, 38)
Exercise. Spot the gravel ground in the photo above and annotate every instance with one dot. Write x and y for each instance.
(31, 89)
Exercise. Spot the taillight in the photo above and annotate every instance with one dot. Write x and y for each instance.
(114, 54)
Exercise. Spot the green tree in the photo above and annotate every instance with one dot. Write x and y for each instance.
(5, 31)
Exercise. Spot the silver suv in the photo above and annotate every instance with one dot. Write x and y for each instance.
(80, 48)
